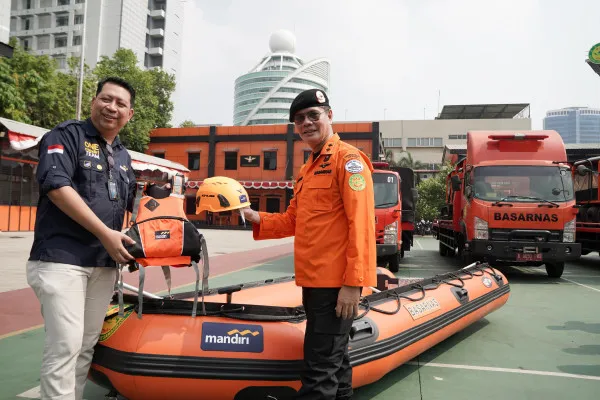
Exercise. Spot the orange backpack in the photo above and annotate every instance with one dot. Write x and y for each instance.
(163, 237)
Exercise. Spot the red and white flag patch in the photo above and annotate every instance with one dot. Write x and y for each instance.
(56, 148)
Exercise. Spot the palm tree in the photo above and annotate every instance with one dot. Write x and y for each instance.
(389, 157)
(408, 162)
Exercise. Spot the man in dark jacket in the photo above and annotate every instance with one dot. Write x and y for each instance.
(86, 183)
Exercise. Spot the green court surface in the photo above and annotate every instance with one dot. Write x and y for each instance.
(543, 344)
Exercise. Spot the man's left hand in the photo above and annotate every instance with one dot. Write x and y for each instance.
(347, 302)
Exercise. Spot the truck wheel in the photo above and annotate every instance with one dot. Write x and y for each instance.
(555, 270)
(394, 263)
(443, 250)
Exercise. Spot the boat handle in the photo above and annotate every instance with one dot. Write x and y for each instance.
(461, 294)
(361, 330)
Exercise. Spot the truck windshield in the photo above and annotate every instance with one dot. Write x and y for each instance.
(533, 183)
(385, 187)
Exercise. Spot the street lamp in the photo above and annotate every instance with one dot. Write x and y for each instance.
(81, 62)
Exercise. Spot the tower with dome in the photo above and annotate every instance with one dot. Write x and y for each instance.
(264, 94)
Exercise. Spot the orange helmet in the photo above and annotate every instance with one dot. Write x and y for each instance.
(220, 193)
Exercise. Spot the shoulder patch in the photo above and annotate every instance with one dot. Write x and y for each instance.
(354, 166)
(357, 182)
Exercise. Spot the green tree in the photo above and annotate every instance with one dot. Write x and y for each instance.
(34, 80)
(164, 86)
(187, 124)
(12, 105)
(153, 107)
(432, 195)
(389, 158)
(69, 83)
(408, 162)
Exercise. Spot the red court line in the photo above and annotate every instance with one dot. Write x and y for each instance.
(20, 309)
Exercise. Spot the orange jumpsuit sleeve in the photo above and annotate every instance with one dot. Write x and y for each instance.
(356, 187)
(276, 225)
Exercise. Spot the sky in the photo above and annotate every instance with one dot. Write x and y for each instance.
(397, 59)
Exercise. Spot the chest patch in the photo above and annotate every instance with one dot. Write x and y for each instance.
(92, 150)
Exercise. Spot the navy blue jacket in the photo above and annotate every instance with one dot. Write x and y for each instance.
(72, 155)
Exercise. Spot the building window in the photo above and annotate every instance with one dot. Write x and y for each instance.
(306, 155)
(231, 160)
(79, 1)
(79, 19)
(159, 155)
(60, 41)
(270, 160)
(61, 62)
(424, 142)
(190, 205)
(27, 24)
(63, 2)
(27, 4)
(26, 44)
(194, 161)
(392, 142)
(457, 136)
(76, 40)
(62, 20)
(273, 204)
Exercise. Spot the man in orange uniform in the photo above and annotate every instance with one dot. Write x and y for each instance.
(332, 216)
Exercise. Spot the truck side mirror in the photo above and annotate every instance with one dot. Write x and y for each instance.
(468, 192)
(583, 170)
(455, 183)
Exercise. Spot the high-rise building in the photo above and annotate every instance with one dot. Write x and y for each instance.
(151, 28)
(264, 94)
(4, 21)
(575, 124)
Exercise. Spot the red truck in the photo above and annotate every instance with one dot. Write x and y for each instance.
(587, 195)
(394, 212)
(511, 201)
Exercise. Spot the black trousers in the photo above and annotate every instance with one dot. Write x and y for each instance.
(326, 374)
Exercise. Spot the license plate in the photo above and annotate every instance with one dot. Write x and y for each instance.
(529, 256)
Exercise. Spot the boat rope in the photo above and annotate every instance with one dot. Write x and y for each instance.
(477, 270)
(178, 305)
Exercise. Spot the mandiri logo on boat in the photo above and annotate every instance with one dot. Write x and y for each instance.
(232, 337)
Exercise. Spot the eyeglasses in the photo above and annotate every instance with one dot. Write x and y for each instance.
(311, 115)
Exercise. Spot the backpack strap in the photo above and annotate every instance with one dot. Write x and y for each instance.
(205, 271)
(139, 193)
(195, 306)
(167, 274)
(120, 290)
(141, 291)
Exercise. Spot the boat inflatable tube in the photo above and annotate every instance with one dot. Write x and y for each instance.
(248, 344)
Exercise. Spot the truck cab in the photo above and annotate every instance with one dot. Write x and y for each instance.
(515, 202)
(587, 196)
(388, 216)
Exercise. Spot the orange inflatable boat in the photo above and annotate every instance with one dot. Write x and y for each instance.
(247, 343)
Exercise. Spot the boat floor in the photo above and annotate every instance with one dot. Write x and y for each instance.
(544, 343)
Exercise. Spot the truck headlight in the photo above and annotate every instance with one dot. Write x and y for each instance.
(569, 231)
(390, 233)
(481, 229)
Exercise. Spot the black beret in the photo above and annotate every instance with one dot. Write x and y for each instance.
(306, 99)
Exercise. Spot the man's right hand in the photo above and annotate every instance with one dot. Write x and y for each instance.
(113, 243)
(250, 215)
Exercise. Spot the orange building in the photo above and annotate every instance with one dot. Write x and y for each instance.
(264, 158)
